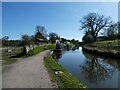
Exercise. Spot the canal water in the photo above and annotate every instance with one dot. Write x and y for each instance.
(92, 70)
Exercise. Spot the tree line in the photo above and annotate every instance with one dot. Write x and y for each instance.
(36, 39)
(93, 24)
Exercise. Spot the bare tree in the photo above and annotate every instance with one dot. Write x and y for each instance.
(53, 36)
(32, 40)
(25, 39)
(40, 34)
(5, 41)
(41, 29)
(118, 33)
(5, 38)
(118, 27)
(94, 23)
(112, 30)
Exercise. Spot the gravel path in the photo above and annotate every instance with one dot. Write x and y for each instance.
(27, 73)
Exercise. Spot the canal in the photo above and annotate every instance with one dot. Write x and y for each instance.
(92, 70)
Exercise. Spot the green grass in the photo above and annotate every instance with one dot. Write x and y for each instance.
(40, 49)
(9, 61)
(64, 80)
(35, 50)
(104, 43)
(49, 46)
(9, 58)
(107, 46)
(6, 56)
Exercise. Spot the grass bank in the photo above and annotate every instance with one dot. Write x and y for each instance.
(6, 56)
(9, 58)
(64, 80)
(109, 48)
(106, 42)
(36, 50)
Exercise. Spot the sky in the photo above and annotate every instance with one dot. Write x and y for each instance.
(63, 18)
(60, 0)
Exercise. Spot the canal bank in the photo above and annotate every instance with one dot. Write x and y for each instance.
(93, 70)
(107, 52)
(60, 75)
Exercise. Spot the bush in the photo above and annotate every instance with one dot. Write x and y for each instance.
(40, 49)
(88, 39)
(36, 50)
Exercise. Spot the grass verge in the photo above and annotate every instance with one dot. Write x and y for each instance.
(104, 43)
(9, 58)
(9, 61)
(6, 56)
(105, 48)
(35, 51)
(64, 80)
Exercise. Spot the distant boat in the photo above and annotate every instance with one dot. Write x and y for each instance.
(58, 48)
(73, 48)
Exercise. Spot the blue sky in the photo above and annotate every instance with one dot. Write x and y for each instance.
(62, 18)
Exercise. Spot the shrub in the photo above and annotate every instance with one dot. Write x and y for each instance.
(88, 39)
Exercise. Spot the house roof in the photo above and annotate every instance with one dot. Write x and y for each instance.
(42, 40)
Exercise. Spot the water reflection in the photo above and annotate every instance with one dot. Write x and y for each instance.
(57, 55)
(114, 63)
(95, 69)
